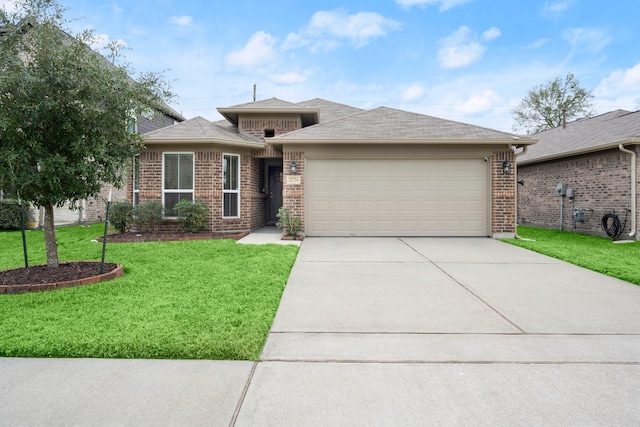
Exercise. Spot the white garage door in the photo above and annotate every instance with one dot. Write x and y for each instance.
(396, 197)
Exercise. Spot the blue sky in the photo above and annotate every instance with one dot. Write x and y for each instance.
(465, 60)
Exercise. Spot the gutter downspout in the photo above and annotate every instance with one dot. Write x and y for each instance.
(632, 233)
(515, 161)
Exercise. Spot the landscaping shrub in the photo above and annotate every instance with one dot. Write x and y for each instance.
(10, 215)
(192, 216)
(148, 215)
(121, 215)
(289, 224)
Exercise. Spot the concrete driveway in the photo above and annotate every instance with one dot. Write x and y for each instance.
(383, 331)
(425, 331)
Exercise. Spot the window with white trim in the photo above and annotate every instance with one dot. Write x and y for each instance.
(177, 180)
(136, 180)
(230, 186)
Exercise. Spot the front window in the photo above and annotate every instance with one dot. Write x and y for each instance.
(177, 182)
(136, 180)
(231, 186)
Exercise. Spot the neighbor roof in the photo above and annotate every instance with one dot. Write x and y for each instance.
(200, 130)
(387, 124)
(585, 135)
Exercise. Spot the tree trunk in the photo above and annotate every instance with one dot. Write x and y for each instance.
(50, 242)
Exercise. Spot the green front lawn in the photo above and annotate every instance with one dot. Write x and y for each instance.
(206, 299)
(619, 260)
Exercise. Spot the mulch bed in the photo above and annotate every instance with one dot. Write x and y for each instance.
(67, 275)
(42, 278)
(169, 236)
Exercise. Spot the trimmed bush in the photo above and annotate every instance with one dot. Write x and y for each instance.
(121, 215)
(10, 214)
(192, 216)
(148, 215)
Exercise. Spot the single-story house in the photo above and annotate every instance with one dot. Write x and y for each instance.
(578, 173)
(341, 170)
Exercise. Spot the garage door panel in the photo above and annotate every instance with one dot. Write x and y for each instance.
(392, 197)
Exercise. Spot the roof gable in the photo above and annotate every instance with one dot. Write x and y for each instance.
(585, 135)
(309, 116)
(201, 130)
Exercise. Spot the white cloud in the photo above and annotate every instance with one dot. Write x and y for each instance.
(327, 28)
(536, 44)
(491, 34)
(444, 4)
(479, 102)
(258, 50)
(290, 78)
(100, 41)
(8, 5)
(557, 8)
(115, 8)
(182, 21)
(460, 49)
(620, 89)
(413, 92)
(586, 40)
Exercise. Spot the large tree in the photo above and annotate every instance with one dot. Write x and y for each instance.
(550, 105)
(65, 111)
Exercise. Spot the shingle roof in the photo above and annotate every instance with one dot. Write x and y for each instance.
(330, 111)
(199, 129)
(390, 124)
(584, 135)
(265, 103)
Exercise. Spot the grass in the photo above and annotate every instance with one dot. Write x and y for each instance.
(595, 253)
(206, 299)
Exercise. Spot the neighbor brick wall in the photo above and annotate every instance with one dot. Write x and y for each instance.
(503, 200)
(293, 195)
(601, 182)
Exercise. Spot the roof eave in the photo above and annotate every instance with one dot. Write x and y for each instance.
(601, 147)
(196, 140)
(410, 141)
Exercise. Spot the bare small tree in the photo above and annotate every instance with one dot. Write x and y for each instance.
(550, 105)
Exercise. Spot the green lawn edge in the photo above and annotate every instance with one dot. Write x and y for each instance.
(204, 299)
(619, 260)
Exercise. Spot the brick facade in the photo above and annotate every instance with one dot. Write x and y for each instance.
(208, 189)
(601, 184)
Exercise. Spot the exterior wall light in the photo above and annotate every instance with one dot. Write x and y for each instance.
(293, 167)
(506, 168)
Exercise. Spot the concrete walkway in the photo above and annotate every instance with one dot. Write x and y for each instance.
(382, 331)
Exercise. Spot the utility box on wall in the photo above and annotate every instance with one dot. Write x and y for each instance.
(561, 189)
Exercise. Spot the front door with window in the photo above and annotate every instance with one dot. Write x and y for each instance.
(275, 193)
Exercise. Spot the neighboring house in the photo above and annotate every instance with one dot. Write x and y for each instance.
(342, 170)
(591, 158)
(93, 209)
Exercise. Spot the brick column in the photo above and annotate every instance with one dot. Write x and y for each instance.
(293, 185)
(503, 200)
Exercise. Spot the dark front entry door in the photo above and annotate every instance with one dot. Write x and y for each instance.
(275, 193)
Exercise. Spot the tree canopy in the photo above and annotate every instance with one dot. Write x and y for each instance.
(548, 106)
(65, 111)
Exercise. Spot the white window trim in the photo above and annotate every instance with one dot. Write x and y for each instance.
(178, 191)
(231, 191)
